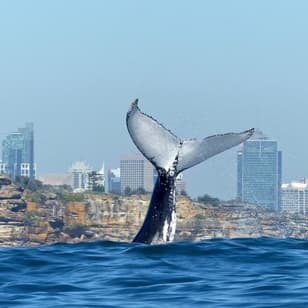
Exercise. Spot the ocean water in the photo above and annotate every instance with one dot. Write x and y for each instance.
(262, 272)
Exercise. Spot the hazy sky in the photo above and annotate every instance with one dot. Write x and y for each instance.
(200, 67)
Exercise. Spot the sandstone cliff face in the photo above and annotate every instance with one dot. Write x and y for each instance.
(119, 219)
(116, 218)
(12, 230)
(233, 220)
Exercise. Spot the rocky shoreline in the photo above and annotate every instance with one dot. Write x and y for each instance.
(117, 218)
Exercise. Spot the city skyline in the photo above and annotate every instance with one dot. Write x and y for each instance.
(258, 135)
(259, 144)
(73, 69)
(259, 172)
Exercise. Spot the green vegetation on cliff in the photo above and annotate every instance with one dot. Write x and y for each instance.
(207, 199)
(30, 184)
(31, 218)
(71, 197)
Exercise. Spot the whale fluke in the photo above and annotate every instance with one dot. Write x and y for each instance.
(160, 146)
(193, 152)
(170, 155)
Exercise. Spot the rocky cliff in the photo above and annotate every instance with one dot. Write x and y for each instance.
(116, 218)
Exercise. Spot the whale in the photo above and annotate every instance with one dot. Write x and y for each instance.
(170, 155)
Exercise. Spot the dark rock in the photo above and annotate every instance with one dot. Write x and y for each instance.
(89, 234)
(5, 180)
(54, 236)
(48, 196)
(9, 192)
(52, 203)
(4, 219)
(13, 205)
(16, 202)
(19, 207)
(56, 223)
(20, 189)
(75, 230)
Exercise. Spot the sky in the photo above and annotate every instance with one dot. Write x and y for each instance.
(200, 67)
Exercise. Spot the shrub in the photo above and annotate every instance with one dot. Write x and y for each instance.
(208, 199)
(200, 216)
(26, 183)
(36, 197)
(31, 218)
(127, 191)
(71, 197)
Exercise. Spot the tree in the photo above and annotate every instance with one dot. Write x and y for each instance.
(208, 199)
(27, 183)
(71, 197)
(139, 191)
(127, 191)
(34, 185)
(95, 182)
(22, 180)
(183, 193)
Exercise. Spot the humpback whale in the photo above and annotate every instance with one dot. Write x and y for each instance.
(170, 156)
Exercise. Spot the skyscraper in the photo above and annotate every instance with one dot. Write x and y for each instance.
(136, 172)
(80, 176)
(18, 152)
(101, 176)
(114, 181)
(259, 172)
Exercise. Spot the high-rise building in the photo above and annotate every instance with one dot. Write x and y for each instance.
(114, 181)
(80, 176)
(259, 172)
(28, 157)
(294, 197)
(101, 176)
(136, 172)
(180, 184)
(18, 152)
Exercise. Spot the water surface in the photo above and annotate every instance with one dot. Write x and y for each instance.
(262, 272)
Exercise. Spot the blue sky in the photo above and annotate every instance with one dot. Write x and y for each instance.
(200, 67)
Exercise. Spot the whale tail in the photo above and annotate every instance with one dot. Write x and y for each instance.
(161, 147)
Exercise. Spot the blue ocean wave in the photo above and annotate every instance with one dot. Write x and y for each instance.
(263, 272)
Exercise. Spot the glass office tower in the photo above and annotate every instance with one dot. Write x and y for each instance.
(259, 172)
(18, 152)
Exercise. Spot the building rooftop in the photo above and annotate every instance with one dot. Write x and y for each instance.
(133, 157)
(258, 135)
(294, 185)
(80, 165)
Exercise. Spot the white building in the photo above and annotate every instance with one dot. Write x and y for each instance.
(80, 176)
(25, 169)
(101, 175)
(294, 197)
(2, 167)
(136, 172)
(180, 184)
